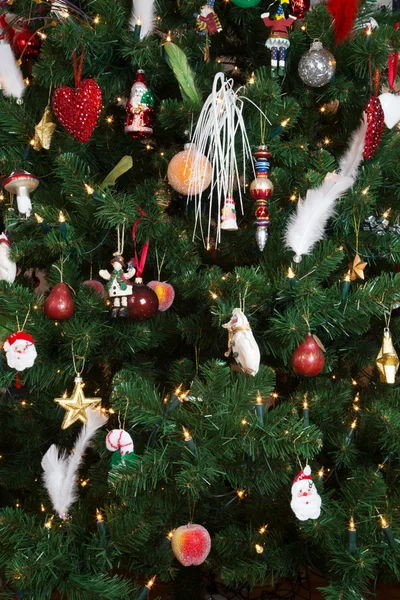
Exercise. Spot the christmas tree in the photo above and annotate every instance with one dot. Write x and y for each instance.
(244, 455)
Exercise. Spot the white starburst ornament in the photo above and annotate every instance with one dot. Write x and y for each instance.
(220, 133)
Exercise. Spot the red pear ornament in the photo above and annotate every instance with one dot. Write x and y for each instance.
(59, 304)
(308, 359)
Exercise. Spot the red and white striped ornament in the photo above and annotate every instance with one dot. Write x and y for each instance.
(119, 439)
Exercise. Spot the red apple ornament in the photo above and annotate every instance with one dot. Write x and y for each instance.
(191, 544)
(59, 304)
(165, 294)
(308, 359)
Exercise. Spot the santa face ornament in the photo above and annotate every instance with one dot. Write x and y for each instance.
(306, 502)
(20, 351)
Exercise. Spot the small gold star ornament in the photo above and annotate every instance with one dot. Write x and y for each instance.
(44, 131)
(76, 405)
(356, 268)
(387, 361)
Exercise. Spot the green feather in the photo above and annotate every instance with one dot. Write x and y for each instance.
(179, 64)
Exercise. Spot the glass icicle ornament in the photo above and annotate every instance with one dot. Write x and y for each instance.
(387, 361)
(317, 66)
(220, 130)
(261, 190)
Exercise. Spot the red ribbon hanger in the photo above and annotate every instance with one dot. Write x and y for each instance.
(139, 263)
(393, 64)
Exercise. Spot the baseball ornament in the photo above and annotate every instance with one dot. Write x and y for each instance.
(181, 175)
(165, 294)
(308, 359)
(191, 544)
(78, 109)
(8, 268)
(306, 502)
(119, 440)
(241, 343)
(20, 351)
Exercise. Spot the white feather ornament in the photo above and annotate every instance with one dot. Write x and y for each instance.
(219, 125)
(143, 12)
(307, 225)
(60, 472)
(11, 79)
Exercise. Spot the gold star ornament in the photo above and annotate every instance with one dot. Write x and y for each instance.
(387, 361)
(77, 405)
(356, 268)
(44, 131)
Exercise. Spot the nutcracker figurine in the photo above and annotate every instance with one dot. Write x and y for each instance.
(278, 39)
(118, 286)
(139, 109)
(207, 20)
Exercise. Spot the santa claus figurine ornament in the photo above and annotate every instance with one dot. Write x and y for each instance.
(306, 502)
(20, 351)
(118, 286)
(140, 109)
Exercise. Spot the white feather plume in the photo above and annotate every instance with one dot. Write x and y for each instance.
(307, 225)
(11, 79)
(351, 159)
(143, 10)
(60, 470)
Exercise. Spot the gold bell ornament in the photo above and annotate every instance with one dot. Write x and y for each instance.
(387, 360)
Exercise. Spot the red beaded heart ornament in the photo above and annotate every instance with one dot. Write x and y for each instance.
(78, 109)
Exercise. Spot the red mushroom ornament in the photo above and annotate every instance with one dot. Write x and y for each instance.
(20, 183)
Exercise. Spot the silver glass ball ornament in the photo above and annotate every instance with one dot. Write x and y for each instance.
(317, 66)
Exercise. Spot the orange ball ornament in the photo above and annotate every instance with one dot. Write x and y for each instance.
(180, 172)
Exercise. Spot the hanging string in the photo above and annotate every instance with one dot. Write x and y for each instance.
(191, 510)
(357, 225)
(197, 356)
(121, 239)
(306, 317)
(25, 320)
(160, 266)
(388, 316)
(82, 358)
(139, 263)
(78, 68)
